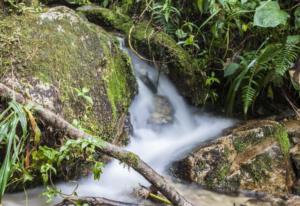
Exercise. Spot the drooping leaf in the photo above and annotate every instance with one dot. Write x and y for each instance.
(268, 53)
(269, 14)
(231, 69)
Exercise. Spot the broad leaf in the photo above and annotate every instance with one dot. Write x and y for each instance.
(269, 14)
(231, 69)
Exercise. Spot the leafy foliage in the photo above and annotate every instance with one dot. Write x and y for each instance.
(13, 134)
(46, 160)
(257, 70)
(22, 156)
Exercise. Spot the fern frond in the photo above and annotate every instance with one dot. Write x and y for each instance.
(287, 56)
(248, 96)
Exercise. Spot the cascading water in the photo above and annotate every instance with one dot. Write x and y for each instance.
(158, 145)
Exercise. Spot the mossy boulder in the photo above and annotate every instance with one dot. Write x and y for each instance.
(70, 66)
(253, 156)
(181, 68)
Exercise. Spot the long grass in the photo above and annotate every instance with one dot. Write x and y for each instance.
(13, 134)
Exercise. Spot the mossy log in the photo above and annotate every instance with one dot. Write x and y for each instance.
(111, 150)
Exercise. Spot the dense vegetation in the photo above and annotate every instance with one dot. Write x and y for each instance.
(246, 48)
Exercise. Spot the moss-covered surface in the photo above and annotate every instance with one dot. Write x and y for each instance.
(259, 168)
(175, 61)
(253, 156)
(283, 140)
(60, 48)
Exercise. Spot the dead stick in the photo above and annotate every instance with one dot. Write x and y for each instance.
(121, 154)
(94, 201)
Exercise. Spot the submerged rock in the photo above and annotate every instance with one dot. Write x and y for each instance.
(163, 111)
(172, 59)
(253, 156)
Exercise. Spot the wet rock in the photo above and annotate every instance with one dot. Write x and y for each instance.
(293, 128)
(148, 82)
(253, 156)
(163, 111)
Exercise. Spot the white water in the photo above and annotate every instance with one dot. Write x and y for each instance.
(158, 147)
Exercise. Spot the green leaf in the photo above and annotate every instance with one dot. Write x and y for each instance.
(200, 5)
(85, 90)
(269, 14)
(293, 39)
(97, 170)
(230, 69)
(180, 34)
(89, 100)
(297, 18)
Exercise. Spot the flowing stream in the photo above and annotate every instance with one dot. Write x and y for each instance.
(159, 146)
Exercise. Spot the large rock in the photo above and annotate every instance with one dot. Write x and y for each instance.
(181, 68)
(252, 156)
(69, 65)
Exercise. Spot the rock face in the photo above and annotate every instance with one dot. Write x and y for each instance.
(70, 66)
(293, 128)
(253, 156)
(179, 65)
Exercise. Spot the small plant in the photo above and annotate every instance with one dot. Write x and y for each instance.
(83, 93)
(209, 83)
(48, 159)
(13, 135)
(166, 15)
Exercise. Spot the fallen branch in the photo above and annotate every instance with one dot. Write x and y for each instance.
(151, 194)
(123, 155)
(94, 201)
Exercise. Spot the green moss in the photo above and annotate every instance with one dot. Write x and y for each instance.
(119, 80)
(242, 143)
(259, 168)
(127, 5)
(201, 165)
(131, 159)
(282, 138)
(218, 176)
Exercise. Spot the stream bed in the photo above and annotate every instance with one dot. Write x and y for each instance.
(160, 136)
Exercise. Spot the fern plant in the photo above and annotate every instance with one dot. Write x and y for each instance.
(165, 15)
(256, 70)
